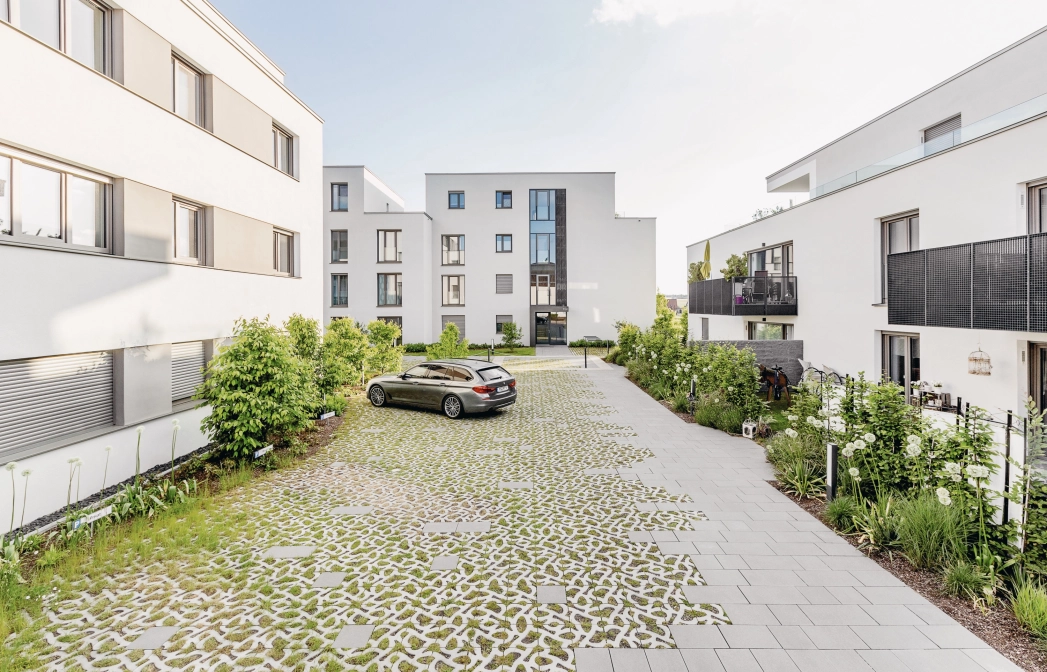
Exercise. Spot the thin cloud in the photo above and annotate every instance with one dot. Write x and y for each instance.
(663, 12)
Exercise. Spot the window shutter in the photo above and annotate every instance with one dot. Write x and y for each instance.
(187, 362)
(458, 321)
(49, 397)
(502, 319)
(503, 284)
(944, 128)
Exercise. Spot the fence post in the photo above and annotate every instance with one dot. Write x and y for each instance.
(1007, 468)
(832, 465)
(587, 354)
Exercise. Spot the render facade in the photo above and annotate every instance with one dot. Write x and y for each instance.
(543, 250)
(158, 181)
(921, 244)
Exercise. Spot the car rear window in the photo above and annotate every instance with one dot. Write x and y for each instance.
(494, 373)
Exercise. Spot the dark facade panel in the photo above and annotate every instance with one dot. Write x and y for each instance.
(906, 288)
(561, 247)
(1038, 282)
(948, 286)
(999, 292)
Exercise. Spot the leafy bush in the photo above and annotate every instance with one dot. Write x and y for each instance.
(581, 343)
(1029, 604)
(256, 387)
(841, 512)
(737, 267)
(384, 355)
(930, 533)
(511, 336)
(1035, 529)
(449, 346)
(878, 524)
(730, 419)
(798, 464)
(612, 355)
(415, 348)
(800, 477)
(335, 403)
(344, 353)
(963, 579)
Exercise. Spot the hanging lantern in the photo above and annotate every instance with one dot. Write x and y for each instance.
(978, 363)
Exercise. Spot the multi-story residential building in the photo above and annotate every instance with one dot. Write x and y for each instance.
(543, 250)
(922, 243)
(157, 181)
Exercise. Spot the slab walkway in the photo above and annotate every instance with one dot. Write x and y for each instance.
(799, 598)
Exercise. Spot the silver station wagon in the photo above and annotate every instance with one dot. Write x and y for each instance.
(456, 386)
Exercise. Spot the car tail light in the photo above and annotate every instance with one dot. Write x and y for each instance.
(512, 383)
(483, 389)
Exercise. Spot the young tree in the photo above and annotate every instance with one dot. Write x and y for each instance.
(257, 388)
(384, 354)
(344, 352)
(736, 267)
(449, 346)
(510, 336)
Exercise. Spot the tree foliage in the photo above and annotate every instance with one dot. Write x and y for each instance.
(449, 346)
(510, 335)
(384, 354)
(737, 267)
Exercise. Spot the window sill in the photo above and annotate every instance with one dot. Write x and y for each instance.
(390, 262)
(340, 261)
(452, 305)
(390, 305)
(882, 304)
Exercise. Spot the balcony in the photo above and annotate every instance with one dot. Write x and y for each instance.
(995, 284)
(1012, 115)
(751, 295)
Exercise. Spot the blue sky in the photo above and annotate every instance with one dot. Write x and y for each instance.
(691, 102)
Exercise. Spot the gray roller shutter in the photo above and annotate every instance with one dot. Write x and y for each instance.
(49, 397)
(944, 128)
(187, 369)
(458, 321)
(503, 284)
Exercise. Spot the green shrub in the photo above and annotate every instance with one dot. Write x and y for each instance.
(384, 355)
(878, 523)
(449, 346)
(257, 387)
(612, 355)
(706, 412)
(511, 336)
(841, 512)
(681, 404)
(730, 419)
(335, 403)
(800, 477)
(963, 579)
(1029, 604)
(930, 533)
(344, 351)
(415, 348)
(1035, 556)
(784, 449)
(581, 343)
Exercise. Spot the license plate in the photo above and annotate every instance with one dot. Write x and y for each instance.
(502, 388)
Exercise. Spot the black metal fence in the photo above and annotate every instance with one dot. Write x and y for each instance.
(994, 284)
(750, 295)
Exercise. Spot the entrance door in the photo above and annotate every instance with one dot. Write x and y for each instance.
(1038, 374)
(901, 360)
(550, 328)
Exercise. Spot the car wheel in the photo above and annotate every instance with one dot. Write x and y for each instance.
(452, 406)
(377, 396)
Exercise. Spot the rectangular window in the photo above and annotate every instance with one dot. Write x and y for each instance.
(500, 321)
(543, 205)
(901, 360)
(454, 290)
(503, 200)
(5, 196)
(390, 288)
(389, 247)
(339, 289)
(42, 20)
(543, 289)
(503, 242)
(456, 200)
(776, 260)
(55, 206)
(188, 92)
(339, 246)
(340, 198)
(85, 35)
(766, 331)
(901, 234)
(187, 231)
(1038, 208)
(705, 328)
(543, 248)
(187, 369)
(503, 283)
(453, 250)
(283, 151)
(283, 253)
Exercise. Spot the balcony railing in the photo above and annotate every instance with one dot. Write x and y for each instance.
(1012, 115)
(994, 284)
(752, 295)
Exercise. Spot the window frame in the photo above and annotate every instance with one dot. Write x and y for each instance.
(1037, 215)
(197, 211)
(17, 159)
(885, 243)
(290, 252)
(339, 278)
(201, 116)
(344, 233)
(333, 197)
(445, 251)
(398, 282)
(499, 200)
(499, 243)
(550, 286)
(908, 369)
(550, 205)
(396, 247)
(281, 134)
(750, 330)
(65, 32)
(460, 200)
(788, 259)
(445, 286)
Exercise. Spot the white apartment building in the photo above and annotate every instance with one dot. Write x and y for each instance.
(923, 242)
(543, 250)
(157, 182)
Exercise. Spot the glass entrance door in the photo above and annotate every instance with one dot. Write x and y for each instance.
(901, 360)
(550, 328)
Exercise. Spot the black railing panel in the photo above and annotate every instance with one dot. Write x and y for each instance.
(1038, 282)
(999, 292)
(948, 278)
(752, 295)
(907, 287)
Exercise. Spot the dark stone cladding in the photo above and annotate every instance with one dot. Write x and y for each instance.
(561, 247)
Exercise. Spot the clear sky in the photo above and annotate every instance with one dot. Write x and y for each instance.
(691, 102)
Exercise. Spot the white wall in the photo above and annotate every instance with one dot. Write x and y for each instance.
(1012, 76)
(970, 193)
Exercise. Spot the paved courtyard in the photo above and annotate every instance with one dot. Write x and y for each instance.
(585, 529)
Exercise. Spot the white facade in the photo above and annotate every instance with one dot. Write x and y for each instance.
(608, 262)
(964, 187)
(174, 106)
